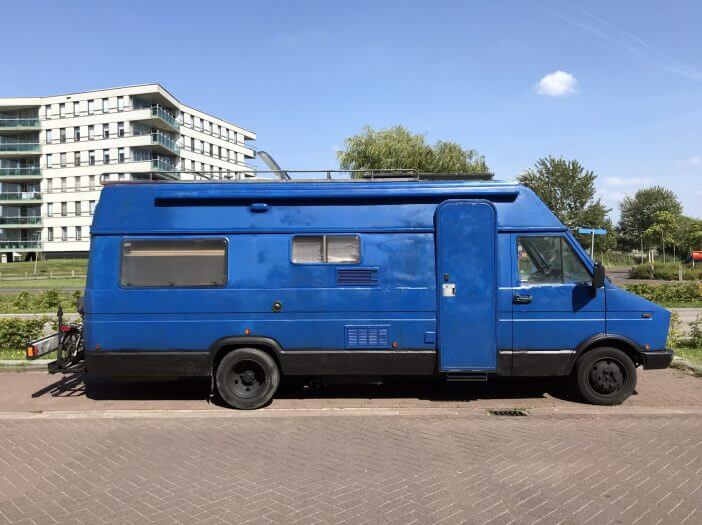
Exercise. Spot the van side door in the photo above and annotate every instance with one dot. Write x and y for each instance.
(554, 306)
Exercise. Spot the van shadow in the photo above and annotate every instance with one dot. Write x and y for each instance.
(422, 388)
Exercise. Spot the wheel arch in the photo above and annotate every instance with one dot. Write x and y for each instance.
(620, 342)
(223, 346)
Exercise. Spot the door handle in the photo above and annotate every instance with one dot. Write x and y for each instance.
(522, 299)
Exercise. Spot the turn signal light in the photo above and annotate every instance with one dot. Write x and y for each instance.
(31, 351)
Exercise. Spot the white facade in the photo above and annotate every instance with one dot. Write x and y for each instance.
(55, 153)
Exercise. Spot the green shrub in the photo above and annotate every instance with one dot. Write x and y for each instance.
(668, 293)
(696, 333)
(14, 333)
(674, 332)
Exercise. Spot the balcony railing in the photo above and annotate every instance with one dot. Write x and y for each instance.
(20, 245)
(166, 116)
(19, 122)
(19, 146)
(20, 220)
(160, 164)
(20, 196)
(164, 140)
(20, 172)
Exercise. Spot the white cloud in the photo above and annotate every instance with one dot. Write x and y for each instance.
(619, 182)
(556, 84)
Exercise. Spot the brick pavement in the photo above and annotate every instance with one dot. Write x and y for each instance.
(429, 469)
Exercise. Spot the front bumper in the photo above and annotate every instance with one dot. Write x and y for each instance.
(657, 360)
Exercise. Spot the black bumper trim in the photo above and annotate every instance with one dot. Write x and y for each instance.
(657, 360)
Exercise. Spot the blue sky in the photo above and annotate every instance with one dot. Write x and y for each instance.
(624, 96)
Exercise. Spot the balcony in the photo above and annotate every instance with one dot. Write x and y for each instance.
(14, 149)
(20, 245)
(21, 221)
(165, 115)
(19, 124)
(161, 139)
(25, 172)
(20, 197)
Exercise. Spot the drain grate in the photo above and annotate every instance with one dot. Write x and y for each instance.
(509, 412)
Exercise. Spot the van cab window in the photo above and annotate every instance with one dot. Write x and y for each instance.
(180, 263)
(320, 249)
(549, 260)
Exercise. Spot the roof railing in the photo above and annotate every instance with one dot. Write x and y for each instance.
(398, 175)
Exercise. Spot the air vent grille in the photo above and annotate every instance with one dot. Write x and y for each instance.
(357, 277)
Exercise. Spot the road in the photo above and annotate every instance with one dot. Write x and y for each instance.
(404, 452)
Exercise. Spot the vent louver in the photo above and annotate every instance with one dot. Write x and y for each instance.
(357, 277)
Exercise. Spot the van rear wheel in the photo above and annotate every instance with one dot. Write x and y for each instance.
(247, 378)
(605, 376)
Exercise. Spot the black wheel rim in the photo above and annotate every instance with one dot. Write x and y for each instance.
(248, 378)
(607, 376)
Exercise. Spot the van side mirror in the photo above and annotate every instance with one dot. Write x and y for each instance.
(598, 276)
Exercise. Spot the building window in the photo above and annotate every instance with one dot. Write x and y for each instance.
(76, 108)
(62, 135)
(120, 155)
(91, 182)
(79, 233)
(49, 136)
(49, 185)
(64, 233)
(121, 176)
(76, 133)
(192, 121)
(106, 156)
(91, 157)
(76, 183)
(62, 110)
(48, 111)
(105, 105)
(120, 129)
(105, 131)
(49, 160)
(63, 160)
(184, 263)
(91, 132)
(78, 209)
(50, 234)
(91, 107)
(64, 209)
(211, 150)
(120, 103)
(192, 144)
(50, 209)
(331, 249)
(76, 158)
(63, 183)
(92, 207)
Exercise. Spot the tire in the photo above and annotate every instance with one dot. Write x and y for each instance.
(605, 376)
(247, 378)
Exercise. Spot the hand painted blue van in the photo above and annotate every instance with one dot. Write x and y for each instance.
(248, 281)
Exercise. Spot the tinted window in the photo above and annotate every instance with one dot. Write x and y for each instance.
(332, 249)
(177, 263)
(549, 260)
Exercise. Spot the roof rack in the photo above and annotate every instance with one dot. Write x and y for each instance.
(364, 175)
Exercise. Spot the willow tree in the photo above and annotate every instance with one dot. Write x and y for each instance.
(399, 148)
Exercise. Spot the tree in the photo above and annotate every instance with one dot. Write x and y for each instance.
(665, 224)
(638, 213)
(398, 148)
(569, 191)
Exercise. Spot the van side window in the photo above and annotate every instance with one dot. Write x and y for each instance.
(174, 263)
(331, 249)
(549, 260)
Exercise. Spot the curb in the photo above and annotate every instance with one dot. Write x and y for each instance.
(222, 413)
(22, 364)
(680, 363)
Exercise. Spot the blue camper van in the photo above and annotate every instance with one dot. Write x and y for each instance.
(246, 282)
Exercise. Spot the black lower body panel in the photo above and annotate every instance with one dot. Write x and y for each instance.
(126, 363)
(535, 363)
(358, 362)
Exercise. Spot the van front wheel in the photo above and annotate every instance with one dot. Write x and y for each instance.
(605, 376)
(247, 378)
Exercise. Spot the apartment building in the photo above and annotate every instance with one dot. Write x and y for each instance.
(57, 151)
